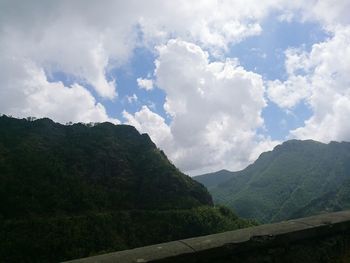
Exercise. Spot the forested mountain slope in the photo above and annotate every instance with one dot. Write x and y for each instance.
(296, 179)
(211, 180)
(70, 191)
(57, 169)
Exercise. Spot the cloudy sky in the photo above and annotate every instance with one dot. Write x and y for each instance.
(214, 83)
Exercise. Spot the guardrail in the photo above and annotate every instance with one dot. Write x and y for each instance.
(321, 238)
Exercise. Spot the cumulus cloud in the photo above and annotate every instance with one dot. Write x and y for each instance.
(29, 93)
(58, 42)
(323, 83)
(149, 122)
(86, 40)
(296, 88)
(215, 108)
(330, 81)
(146, 84)
(319, 78)
(289, 93)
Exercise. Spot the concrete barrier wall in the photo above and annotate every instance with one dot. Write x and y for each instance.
(322, 238)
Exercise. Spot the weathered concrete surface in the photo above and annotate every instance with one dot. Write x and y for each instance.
(322, 238)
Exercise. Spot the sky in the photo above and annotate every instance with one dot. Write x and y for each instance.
(214, 83)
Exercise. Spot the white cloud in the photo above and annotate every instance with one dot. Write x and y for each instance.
(215, 108)
(62, 44)
(86, 40)
(289, 93)
(149, 122)
(328, 12)
(146, 84)
(330, 81)
(30, 94)
(321, 78)
(296, 88)
(210, 23)
(132, 99)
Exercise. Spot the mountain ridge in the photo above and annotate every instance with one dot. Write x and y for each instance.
(295, 179)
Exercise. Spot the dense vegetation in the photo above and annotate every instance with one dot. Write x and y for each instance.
(296, 179)
(52, 239)
(211, 180)
(70, 191)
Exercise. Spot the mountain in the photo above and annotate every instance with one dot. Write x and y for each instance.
(296, 179)
(62, 167)
(70, 191)
(211, 180)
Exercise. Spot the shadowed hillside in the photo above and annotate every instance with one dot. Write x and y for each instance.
(211, 180)
(57, 169)
(69, 191)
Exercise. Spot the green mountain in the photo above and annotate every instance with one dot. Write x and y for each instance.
(70, 191)
(296, 179)
(57, 169)
(211, 180)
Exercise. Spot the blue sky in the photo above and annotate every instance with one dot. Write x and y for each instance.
(227, 80)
